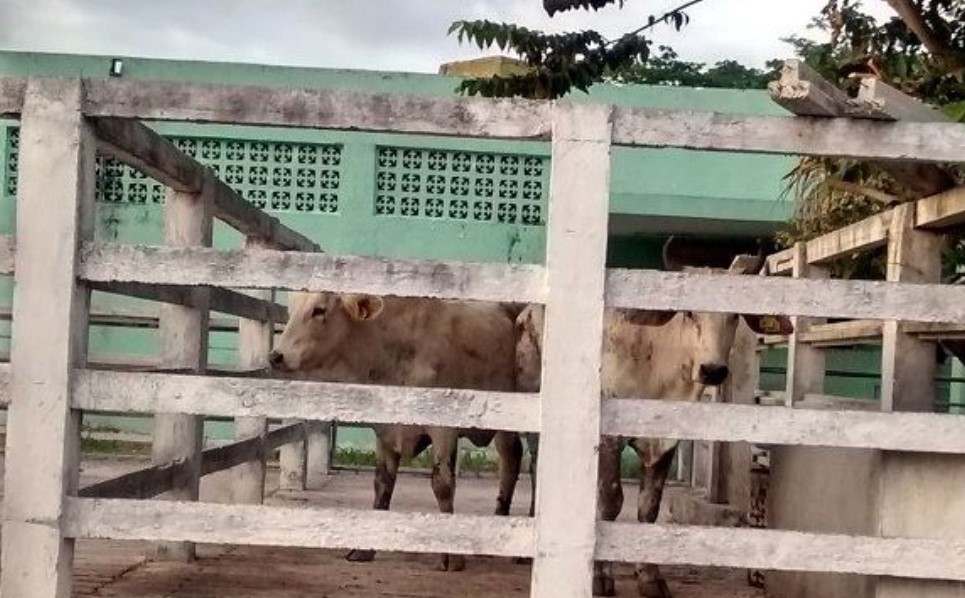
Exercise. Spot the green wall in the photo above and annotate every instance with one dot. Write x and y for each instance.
(853, 372)
(404, 195)
(684, 184)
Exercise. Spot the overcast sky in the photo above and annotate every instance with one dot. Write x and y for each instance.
(400, 35)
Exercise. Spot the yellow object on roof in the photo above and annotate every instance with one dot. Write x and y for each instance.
(484, 67)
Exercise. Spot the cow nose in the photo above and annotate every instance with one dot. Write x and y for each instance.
(713, 373)
(276, 359)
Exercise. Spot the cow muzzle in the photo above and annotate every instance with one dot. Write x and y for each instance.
(713, 374)
(277, 360)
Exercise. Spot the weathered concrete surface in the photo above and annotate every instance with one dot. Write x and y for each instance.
(822, 490)
(118, 569)
(690, 507)
(924, 500)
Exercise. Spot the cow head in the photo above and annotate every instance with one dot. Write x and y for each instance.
(317, 324)
(705, 339)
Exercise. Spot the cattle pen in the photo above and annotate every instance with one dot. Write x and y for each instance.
(57, 262)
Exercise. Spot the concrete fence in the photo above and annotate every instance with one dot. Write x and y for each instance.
(56, 262)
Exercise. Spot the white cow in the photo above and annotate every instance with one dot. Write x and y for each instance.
(409, 342)
(656, 355)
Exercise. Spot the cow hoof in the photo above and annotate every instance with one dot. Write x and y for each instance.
(603, 586)
(654, 588)
(523, 560)
(451, 562)
(360, 556)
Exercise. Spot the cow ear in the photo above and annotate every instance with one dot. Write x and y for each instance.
(769, 324)
(642, 317)
(362, 307)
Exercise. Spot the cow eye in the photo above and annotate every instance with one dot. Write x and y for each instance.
(318, 312)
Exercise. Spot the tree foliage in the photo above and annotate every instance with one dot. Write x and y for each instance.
(832, 193)
(558, 62)
(666, 68)
(920, 51)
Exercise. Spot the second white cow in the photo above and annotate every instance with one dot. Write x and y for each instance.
(655, 355)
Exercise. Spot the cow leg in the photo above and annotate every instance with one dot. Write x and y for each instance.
(386, 471)
(509, 447)
(609, 505)
(532, 441)
(653, 476)
(444, 447)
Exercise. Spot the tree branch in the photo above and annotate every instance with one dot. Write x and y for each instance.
(913, 19)
(879, 196)
(662, 19)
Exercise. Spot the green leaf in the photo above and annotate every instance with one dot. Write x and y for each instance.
(955, 111)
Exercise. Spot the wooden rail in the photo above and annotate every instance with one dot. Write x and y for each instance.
(216, 299)
(157, 479)
(938, 212)
(855, 332)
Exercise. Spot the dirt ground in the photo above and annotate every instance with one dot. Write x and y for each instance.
(120, 569)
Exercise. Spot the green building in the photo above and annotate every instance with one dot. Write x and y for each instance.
(413, 196)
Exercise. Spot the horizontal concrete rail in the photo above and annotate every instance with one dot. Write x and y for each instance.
(137, 317)
(131, 364)
(324, 109)
(304, 527)
(121, 519)
(801, 135)
(825, 298)
(295, 399)
(240, 397)
(781, 550)
(898, 431)
(222, 300)
(633, 289)
(104, 262)
(517, 119)
(138, 146)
